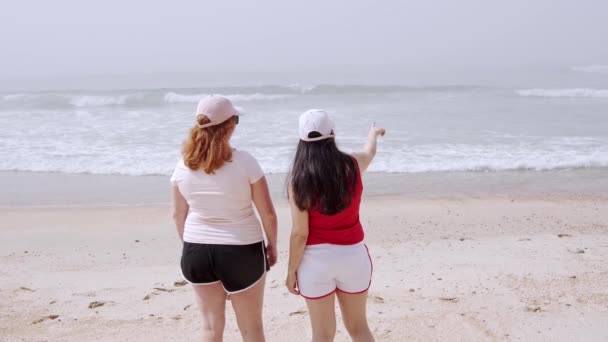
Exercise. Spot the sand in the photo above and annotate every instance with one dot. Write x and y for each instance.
(491, 267)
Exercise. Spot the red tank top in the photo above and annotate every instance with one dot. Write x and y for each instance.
(343, 228)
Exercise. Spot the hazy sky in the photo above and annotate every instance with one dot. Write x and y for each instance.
(73, 37)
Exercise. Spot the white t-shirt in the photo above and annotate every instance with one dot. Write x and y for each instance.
(221, 210)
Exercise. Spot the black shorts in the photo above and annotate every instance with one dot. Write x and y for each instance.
(237, 267)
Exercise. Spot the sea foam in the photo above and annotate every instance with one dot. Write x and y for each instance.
(571, 92)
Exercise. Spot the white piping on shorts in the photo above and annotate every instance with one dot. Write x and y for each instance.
(197, 284)
(257, 281)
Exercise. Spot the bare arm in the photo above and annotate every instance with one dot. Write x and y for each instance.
(365, 157)
(297, 243)
(263, 204)
(180, 211)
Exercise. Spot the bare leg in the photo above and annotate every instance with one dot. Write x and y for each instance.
(211, 300)
(247, 307)
(354, 316)
(323, 318)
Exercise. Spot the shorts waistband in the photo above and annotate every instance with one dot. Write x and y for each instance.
(331, 245)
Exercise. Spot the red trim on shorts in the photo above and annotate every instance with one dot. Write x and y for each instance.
(354, 292)
(338, 289)
(323, 296)
(371, 263)
(370, 275)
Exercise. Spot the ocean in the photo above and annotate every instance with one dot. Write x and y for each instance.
(429, 128)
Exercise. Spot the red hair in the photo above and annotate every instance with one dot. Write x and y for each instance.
(208, 148)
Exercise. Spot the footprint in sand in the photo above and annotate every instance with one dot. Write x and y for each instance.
(377, 300)
(577, 251)
(532, 308)
(299, 312)
(180, 283)
(156, 292)
(96, 304)
(49, 317)
(449, 299)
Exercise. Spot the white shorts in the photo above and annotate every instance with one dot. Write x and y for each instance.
(326, 268)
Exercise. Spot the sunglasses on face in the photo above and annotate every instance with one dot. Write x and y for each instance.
(236, 119)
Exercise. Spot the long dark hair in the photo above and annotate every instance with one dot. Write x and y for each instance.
(322, 177)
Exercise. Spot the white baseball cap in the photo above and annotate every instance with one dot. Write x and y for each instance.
(316, 120)
(217, 108)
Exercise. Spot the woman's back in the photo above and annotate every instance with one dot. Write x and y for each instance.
(342, 228)
(220, 203)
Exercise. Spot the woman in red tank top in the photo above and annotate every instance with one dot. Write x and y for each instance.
(327, 257)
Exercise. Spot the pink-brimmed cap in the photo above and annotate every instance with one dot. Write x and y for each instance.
(216, 108)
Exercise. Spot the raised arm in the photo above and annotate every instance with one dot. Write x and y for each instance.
(365, 157)
(297, 243)
(180, 211)
(263, 204)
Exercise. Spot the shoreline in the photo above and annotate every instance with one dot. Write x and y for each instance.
(49, 190)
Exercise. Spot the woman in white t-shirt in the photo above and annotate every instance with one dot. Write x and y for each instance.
(214, 187)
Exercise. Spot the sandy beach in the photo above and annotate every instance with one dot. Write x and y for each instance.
(485, 208)
(517, 264)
